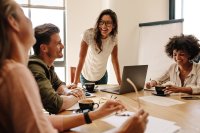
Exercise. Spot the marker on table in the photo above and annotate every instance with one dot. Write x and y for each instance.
(112, 96)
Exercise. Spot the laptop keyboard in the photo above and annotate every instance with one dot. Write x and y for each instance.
(113, 88)
(116, 88)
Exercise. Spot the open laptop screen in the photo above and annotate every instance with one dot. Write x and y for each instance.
(137, 74)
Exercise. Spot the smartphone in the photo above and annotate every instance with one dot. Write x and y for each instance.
(88, 95)
(190, 97)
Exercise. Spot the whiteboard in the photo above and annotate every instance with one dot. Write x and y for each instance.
(152, 43)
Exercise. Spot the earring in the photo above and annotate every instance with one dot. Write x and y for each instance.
(190, 61)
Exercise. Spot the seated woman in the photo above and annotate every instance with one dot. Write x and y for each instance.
(20, 104)
(184, 75)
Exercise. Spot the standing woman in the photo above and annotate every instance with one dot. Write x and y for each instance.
(96, 46)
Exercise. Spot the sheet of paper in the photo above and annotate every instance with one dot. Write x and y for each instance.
(171, 129)
(162, 101)
(155, 125)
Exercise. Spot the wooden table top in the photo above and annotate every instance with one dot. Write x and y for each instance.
(186, 115)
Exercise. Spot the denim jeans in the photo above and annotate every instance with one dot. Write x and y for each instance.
(103, 80)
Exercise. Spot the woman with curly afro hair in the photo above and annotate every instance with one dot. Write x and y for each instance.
(184, 75)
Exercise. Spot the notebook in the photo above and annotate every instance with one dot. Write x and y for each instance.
(137, 74)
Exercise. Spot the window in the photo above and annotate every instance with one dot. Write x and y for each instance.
(48, 11)
(191, 17)
(188, 10)
(178, 9)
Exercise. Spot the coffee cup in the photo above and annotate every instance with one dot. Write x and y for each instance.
(89, 87)
(87, 104)
(160, 89)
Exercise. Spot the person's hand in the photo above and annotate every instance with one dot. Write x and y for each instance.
(172, 89)
(72, 86)
(109, 107)
(77, 92)
(148, 85)
(135, 124)
(151, 84)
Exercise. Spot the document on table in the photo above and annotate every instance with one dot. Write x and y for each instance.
(155, 125)
(162, 101)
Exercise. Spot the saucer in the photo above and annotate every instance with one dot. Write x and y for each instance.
(94, 91)
(155, 93)
(77, 111)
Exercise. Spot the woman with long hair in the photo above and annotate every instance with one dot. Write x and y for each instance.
(97, 45)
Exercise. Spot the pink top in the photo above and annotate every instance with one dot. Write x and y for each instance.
(20, 104)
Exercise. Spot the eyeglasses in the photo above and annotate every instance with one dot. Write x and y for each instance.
(107, 23)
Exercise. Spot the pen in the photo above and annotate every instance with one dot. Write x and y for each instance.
(111, 96)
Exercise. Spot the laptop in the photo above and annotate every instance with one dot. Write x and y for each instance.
(137, 74)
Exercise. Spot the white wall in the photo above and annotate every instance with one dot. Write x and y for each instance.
(82, 14)
(130, 14)
(152, 47)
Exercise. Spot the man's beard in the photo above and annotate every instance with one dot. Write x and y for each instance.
(50, 55)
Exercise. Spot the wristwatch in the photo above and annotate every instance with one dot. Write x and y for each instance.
(86, 116)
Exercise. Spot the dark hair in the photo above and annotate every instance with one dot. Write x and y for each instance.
(187, 43)
(43, 35)
(114, 31)
(7, 8)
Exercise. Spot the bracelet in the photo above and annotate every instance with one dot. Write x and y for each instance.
(87, 118)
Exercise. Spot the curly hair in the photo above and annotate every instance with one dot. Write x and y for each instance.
(43, 35)
(187, 43)
(114, 31)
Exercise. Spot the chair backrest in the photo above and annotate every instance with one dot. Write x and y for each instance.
(72, 74)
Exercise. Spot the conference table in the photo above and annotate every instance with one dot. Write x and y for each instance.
(186, 115)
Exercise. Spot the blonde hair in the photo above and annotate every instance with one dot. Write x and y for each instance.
(7, 8)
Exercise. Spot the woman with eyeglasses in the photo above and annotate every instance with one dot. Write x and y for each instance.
(96, 46)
